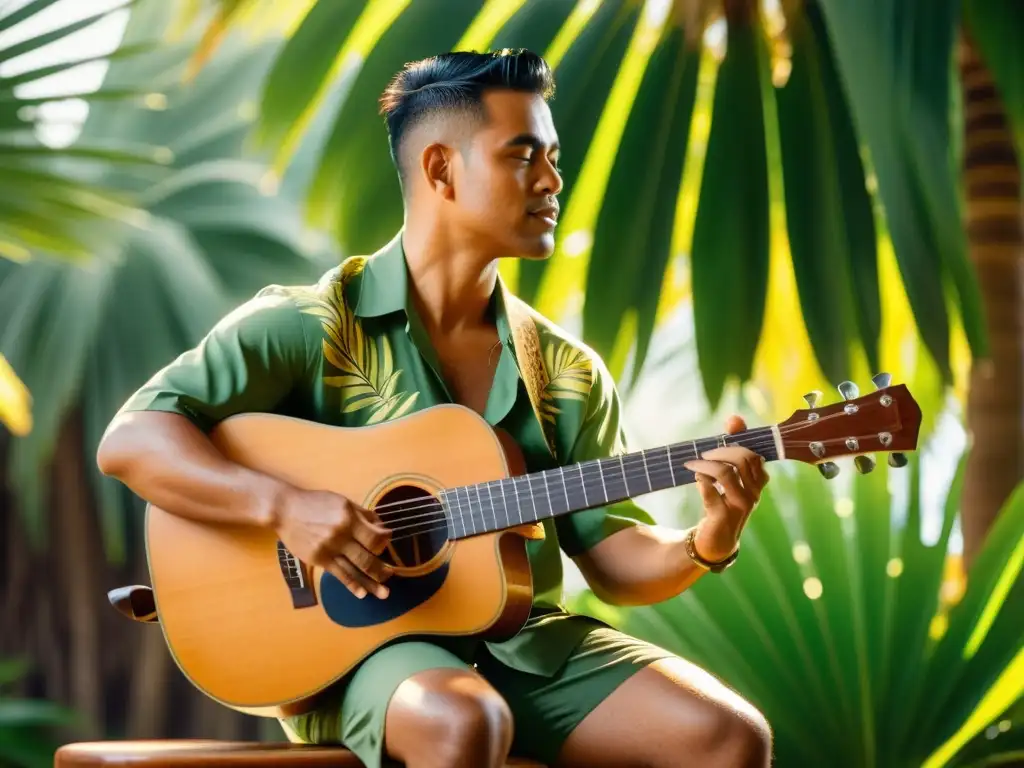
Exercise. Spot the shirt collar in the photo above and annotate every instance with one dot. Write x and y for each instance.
(384, 288)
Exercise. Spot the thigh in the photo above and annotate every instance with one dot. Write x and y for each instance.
(670, 713)
(547, 710)
(354, 712)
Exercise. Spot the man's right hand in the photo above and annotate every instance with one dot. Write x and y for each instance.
(325, 529)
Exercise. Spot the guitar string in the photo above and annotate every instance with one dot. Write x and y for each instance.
(638, 463)
(587, 473)
(755, 440)
(437, 512)
(436, 507)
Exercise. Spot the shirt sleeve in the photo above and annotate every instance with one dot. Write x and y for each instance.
(249, 362)
(601, 436)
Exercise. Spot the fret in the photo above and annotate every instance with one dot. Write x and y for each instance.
(551, 495)
(468, 512)
(631, 490)
(671, 464)
(515, 492)
(480, 503)
(565, 488)
(494, 511)
(600, 472)
(647, 474)
(458, 511)
(583, 485)
(547, 494)
(449, 519)
(504, 503)
(533, 499)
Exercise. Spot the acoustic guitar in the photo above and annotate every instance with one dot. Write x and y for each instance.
(260, 632)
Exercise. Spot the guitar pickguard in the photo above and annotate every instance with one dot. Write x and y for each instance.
(347, 610)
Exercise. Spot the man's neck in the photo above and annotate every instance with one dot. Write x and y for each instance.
(451, 283)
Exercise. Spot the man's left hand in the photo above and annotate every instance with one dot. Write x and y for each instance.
(741, 475)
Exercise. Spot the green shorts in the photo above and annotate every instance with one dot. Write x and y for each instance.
(545, 709)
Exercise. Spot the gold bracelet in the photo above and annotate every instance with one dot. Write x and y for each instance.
(707, 565)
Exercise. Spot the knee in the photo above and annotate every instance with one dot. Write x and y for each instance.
(477, 728)
(737, 737)
(448, 718)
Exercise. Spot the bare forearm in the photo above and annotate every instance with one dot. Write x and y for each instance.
(640, 566)
(170, 463)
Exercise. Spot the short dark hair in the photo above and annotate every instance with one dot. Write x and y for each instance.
(456, 81)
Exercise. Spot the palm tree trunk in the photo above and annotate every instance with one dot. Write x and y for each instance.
(995, 231)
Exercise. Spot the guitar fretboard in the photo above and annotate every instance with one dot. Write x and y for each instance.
(501, 504)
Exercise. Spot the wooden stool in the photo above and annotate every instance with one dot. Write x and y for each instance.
(195, 753)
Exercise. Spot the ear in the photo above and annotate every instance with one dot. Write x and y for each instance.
(436, 165)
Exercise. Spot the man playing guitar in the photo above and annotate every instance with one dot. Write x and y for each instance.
(424, 322)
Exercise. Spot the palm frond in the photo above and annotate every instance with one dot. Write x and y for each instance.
(212, 233)
(833, 622)
(53, 203)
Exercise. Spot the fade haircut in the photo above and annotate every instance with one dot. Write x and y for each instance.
(455, 82)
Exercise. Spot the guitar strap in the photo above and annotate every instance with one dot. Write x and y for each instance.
(531, 362)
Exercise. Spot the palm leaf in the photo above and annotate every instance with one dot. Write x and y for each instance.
(898, 89)
(213, 236)
(730, 235)
(633, 235)
(893, 111)
(59, 208)
(834, 605)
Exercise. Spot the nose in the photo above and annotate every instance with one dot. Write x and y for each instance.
(549, 180)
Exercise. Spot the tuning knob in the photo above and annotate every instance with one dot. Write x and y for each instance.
(864, 464)
(881, 380)
(897, 460)
(812, 398)
(828, 469)
(848, 390)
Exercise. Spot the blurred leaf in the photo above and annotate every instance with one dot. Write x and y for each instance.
(45, 206)
(24, 742)
(367, 209)
(16, 713)
(826, 623)
(828, 210)
(584, 78)
(730, 235)
(12, 670)
(894, 60)
(66, 328)
(308, 62)
(15, 403)
(633, 236)
(996, 28)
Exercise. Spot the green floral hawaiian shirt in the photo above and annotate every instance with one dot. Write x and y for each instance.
(350, 351)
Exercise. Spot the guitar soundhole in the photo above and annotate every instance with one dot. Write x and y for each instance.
(419, 538)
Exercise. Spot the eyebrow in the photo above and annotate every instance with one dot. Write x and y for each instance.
(529, 140)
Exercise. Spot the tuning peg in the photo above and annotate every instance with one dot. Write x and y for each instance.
(881, 380)
(828, 469)
(848, 390)
(897, 460)
(812, 398)
(864, 464)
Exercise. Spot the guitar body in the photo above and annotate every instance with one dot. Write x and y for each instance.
(260, 633)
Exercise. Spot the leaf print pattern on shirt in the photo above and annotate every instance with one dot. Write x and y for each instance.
(569, 377)
(369, 379)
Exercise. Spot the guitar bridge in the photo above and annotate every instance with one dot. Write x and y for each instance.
(296, 577)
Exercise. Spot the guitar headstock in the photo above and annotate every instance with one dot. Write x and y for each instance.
(886, 421)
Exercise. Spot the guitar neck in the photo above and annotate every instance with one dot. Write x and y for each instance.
(502, 504)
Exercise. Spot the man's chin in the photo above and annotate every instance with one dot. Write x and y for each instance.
(538, 248)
